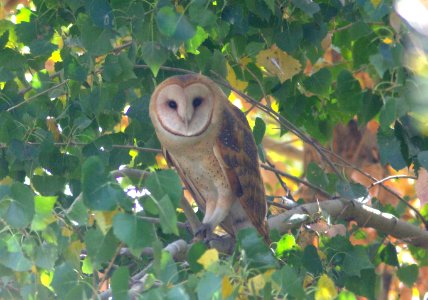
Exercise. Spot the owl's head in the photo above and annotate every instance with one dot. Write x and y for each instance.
(184, 105)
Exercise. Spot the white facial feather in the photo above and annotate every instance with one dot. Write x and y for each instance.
(185, 111)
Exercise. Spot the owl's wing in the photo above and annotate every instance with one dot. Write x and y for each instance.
(191, 186)
(238, 153)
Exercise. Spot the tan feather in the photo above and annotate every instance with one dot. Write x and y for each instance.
(238, 151)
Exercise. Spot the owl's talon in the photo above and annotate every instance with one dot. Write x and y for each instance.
(203, 231)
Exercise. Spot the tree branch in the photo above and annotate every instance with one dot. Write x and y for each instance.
(37, 95)
(364, 215)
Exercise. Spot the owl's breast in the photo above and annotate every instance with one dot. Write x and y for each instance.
(204, 170)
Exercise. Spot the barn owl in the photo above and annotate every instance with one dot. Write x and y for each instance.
(209, 142)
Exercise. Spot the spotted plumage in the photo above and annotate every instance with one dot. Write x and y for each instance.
(209, 142)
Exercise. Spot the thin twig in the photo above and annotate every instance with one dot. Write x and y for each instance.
(349, 165)
(37, 95)
(296, 179)
(158, 221)
(77, 144)
(278, 176)
(165, 68)
(390, 178)
(110, 265)
(29, 88)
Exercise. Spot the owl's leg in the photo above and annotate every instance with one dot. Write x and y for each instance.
(215, 212)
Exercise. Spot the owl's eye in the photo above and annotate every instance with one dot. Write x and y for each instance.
(172, 104)
(197, 101)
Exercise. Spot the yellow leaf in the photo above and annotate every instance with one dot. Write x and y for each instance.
(104, 219)
(387, 40)
(376, 2)
(325, 289)
(258, 282)
(56, 56)
(236, 83)
(226, 287)
(208, 258)
(278, 63)
(67, 232)
(46, 277)
(243, 61)
(180, 9)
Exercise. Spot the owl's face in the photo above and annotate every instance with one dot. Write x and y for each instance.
(183, 105)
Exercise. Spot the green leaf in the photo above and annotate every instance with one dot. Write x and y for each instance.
(77, 212)
(48, 185)
(195, 252)
(316, 175)
(43, 212)
(64, 279)
(101, 248)
(20, 210)
(167, 20)
(14, 260)
(96, 41)
(355, 261)
(308, 6)
(134, 232)
(319, 83)
(311, 260)
(118, 68)
(352, 191)
(177, 293)
(201, 16)
(154, 55)
(8, 129)
(372, 104)
(286, 243)
(100, 13)
(193, 44)
(423, 159)
(388, 113)
(408, 274)
(390, 149)
(348, 93)
(257, 253)
(98, 191)
(120, 283)
(289, 281)
(46, 256)
(218, 64)
(209, 286)
(363, 285)
(165, 182)
(259, 130)
(270, 4)
(168, 268)
(389, 255)
(168, 216)
(290, 38)
(11, 60)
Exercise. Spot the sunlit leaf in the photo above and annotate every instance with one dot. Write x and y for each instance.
(325, 288)
(278, 63)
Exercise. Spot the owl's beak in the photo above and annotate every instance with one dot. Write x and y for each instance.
(186, 124)
(186, 116)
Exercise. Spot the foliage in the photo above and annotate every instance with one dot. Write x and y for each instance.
(75, 82)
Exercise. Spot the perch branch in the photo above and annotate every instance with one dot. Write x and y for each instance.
(364, 215)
